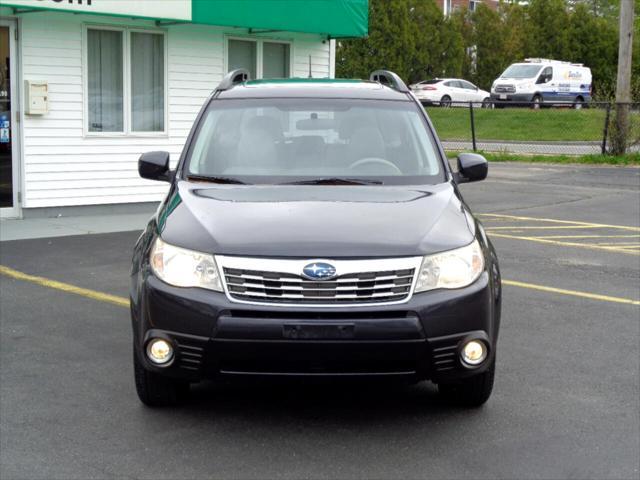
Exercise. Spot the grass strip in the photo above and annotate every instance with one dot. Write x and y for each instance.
(520, 124)
(632, 159)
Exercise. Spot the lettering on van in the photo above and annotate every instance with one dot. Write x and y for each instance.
(70, 2)
(573, 75)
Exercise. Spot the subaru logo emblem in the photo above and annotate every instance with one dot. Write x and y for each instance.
(319, 271)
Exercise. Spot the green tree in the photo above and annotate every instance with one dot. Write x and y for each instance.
(598, 52)
(438, 49)
(410, 37)
(390, 43)
(548, 29)
(488, 37)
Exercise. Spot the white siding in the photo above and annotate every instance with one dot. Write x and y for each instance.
(62, 166)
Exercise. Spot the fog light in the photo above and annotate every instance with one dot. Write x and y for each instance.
(474, 353)
(159, 351)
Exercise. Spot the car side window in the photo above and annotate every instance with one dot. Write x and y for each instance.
(467, 85)
(545, 76)
(452, 83)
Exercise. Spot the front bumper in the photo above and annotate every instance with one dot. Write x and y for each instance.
(512, 97)
(213, 336)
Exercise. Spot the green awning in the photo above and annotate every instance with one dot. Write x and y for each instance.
(335, 18)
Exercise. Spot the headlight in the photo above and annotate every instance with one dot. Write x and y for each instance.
(453, 269)
(184, 268)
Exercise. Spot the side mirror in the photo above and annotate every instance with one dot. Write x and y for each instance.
(155, 166)
(471, 168)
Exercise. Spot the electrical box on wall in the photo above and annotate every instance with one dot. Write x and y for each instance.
(36, 97)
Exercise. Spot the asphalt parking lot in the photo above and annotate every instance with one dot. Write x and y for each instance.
(565, 404)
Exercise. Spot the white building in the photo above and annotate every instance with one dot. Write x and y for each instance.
(86, 86)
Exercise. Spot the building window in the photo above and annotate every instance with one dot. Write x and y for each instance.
(263, 58)
(116, 104)
(242, 54)
(473, 5)
(147, 82)
(275, 60)
(105, 80)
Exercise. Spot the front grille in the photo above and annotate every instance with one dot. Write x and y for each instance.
(353, 288)
(504, 88)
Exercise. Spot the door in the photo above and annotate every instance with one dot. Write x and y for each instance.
(453, 90)
(470, 92)
(546, 86)
(9, 135)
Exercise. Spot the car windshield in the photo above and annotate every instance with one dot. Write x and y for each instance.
(521, 71)
(302, 140)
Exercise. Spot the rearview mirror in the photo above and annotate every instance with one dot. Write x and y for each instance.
(472, 167)
(155, 166)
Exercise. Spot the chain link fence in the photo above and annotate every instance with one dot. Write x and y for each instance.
(530, 128)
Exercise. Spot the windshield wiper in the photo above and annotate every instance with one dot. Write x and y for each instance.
(335, 181)
(205, 178)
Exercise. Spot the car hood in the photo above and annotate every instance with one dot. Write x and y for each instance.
(315, 221)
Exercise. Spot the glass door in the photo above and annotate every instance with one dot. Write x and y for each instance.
(9, 206)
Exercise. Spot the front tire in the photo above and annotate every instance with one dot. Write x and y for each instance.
(155, 390)
(469, 392)
(537, 102)
(578, 104)
(486, 103)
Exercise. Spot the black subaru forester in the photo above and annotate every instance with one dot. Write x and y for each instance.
(314, 227)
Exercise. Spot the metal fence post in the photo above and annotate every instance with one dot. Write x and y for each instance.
(606, 129)
(473, 126)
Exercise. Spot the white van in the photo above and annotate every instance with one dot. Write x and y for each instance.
(539, 80)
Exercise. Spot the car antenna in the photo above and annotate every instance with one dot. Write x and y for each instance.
(310, 75)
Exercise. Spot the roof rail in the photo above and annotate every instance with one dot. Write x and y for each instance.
(548, 60)
(390, 79)
(233, 78)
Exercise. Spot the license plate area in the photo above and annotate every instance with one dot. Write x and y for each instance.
(338, 331)
(503, 96)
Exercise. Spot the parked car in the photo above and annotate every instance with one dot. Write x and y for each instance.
(447, 91)
(541, 81)
(314, 227)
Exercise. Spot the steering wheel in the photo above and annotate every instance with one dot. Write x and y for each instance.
(380, 161)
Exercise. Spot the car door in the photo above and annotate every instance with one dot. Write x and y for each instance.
(471, 92)
(546, 85)
(454, 90)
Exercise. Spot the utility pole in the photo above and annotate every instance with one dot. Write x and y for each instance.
(620, 131)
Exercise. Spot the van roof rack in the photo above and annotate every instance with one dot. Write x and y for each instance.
(547, 60)
(390, 79)
(234, 77)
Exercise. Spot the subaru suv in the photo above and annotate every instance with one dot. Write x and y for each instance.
(314, 227)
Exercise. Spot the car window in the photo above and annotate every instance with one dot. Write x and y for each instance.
(278, 140)
(431, 82)
(521, 71)
(467, 85)
(452, 83)
(546, 75)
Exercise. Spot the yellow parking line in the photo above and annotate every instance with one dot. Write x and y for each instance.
(608, 244)
(564, 244)
(566, 222)
(124, 302)
(558, 237)
(574, 293)
(65, 287)
(546, 227)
